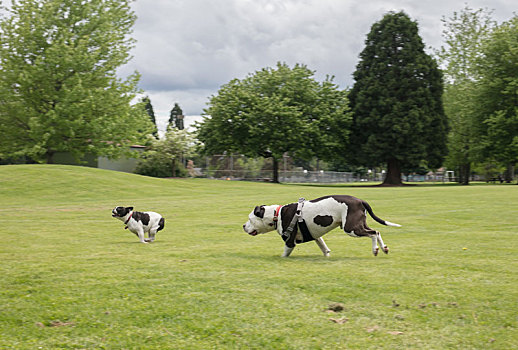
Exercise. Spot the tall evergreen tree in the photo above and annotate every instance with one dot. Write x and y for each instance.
(176, 118)
(151, 113)
(398, 117)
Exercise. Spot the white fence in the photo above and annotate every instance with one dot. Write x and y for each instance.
(304, 176)
(284, 176)
(317, 177)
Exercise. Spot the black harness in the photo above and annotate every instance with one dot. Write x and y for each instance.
(297, 223)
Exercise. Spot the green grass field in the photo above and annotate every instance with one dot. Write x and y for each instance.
(72, 277)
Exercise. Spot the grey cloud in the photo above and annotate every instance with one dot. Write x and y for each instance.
(187, 48)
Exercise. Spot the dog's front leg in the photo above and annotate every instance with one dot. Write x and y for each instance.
(322, 245)
(287, 251)
(140, 233)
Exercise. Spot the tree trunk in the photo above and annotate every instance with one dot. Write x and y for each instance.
(275, 170)
(464, 171)
(393, 176)
(173, 167)
(509, 173)
(50, 157)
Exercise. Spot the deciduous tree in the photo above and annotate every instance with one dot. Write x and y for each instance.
(276, 111)
(165, 156)
(497, 97)
(464, 33)
(58, 82)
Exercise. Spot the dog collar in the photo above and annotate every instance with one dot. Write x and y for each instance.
(130, 214)
(276, 215)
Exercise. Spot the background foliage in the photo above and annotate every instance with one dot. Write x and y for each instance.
(166, 157)
(464, 34)
(59, 91)
(274, 111)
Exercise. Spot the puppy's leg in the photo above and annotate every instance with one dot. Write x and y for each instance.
(152, 234)
(140, 233)
(287, 251)
(380, 241)
(322, 245)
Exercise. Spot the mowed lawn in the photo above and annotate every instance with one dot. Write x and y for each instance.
(72, 277)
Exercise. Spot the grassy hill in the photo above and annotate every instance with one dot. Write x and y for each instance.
(72, 277)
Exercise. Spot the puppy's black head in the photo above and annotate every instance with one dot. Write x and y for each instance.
(121, 211)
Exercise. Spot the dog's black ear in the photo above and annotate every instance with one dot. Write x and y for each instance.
(129, 209)
(259, 211)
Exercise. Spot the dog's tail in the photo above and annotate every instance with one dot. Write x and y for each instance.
(381, 221)
(161, 224)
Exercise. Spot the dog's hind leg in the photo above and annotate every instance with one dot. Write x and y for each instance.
(380, 241)
(375, 248)
(152, 234)
(322, 245)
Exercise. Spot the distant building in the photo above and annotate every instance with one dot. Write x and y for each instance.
(124, 164)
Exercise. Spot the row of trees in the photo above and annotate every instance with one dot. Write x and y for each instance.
(393, 114)
(165, 155)
(59, 92)
(399, 112)
(480, 62)
(175, 116)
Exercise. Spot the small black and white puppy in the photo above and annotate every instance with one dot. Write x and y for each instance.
(140, 222)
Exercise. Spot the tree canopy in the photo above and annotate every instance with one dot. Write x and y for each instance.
(151, 113)
(165, 156)
(497, 95)
(176, 118)
(398, 117)
(58, 85)
(276, 111)
(464, 34)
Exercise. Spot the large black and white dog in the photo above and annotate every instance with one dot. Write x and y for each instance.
(310, 220)
(140, 222)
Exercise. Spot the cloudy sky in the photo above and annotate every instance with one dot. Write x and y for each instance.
(187, 49)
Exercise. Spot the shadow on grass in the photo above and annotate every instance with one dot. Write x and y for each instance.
(360, 185)
(134, 242)
(405, 185)
(298, 258)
